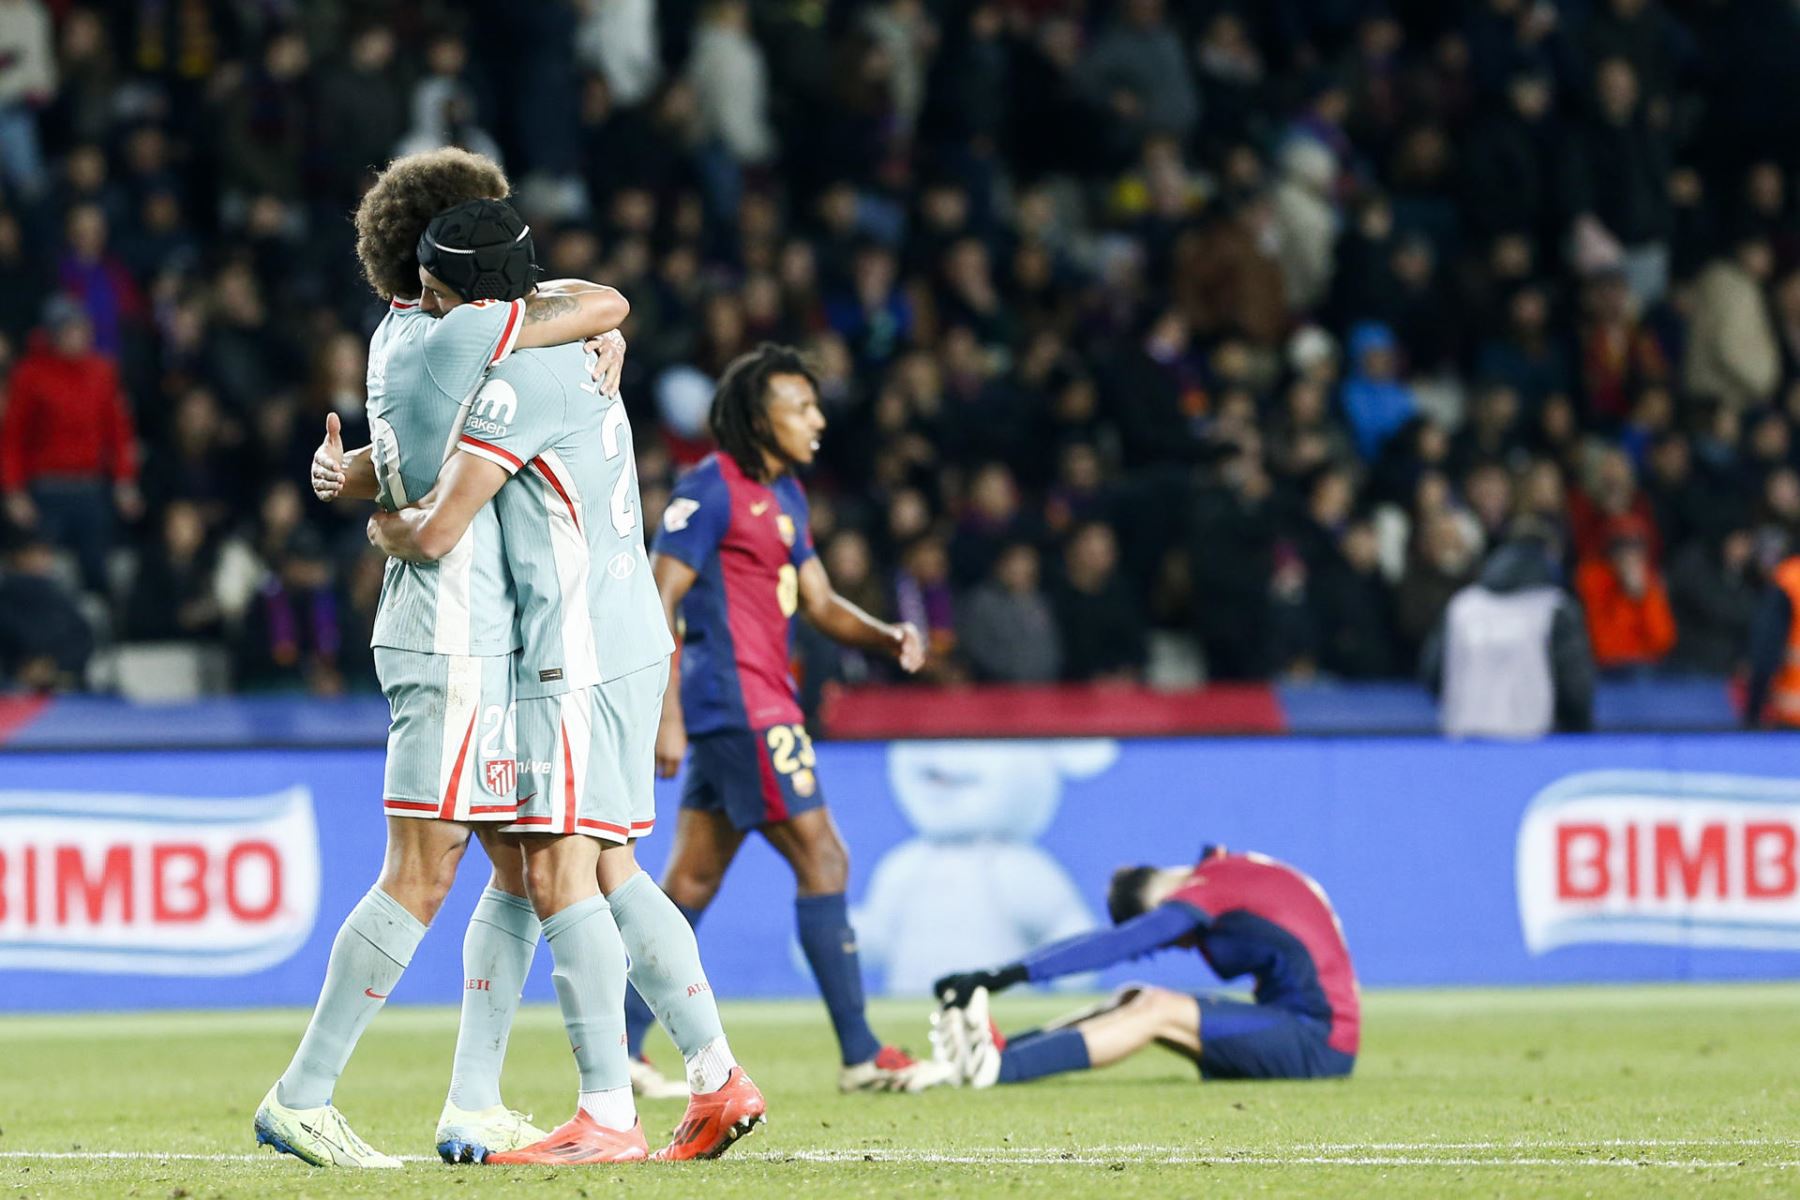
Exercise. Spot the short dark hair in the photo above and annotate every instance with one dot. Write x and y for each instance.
(1125, 895)
(401, 202)
(740, 409)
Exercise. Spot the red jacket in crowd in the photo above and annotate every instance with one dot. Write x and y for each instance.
(65, 418)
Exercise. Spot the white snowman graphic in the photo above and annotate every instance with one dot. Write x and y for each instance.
(974, 889)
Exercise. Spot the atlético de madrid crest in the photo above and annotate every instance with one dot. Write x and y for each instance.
(500, 776)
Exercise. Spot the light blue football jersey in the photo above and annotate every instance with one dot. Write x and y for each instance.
(423, 373)
(570, 521)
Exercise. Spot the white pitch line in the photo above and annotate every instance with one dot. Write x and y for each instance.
(1011, 1156)
(1195, 1160)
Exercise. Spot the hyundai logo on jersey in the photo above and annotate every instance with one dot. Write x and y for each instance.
(1661, 857)
(155, 885)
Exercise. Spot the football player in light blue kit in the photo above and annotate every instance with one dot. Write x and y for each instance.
(589, 678)
(443, 640)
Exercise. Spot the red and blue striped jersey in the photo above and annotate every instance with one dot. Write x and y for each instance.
(1263, 918)
(746, 542)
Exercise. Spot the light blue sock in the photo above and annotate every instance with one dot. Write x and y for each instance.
(590, 988)
(497, 951)
(371, 950)
(665, 964)
(638, 1017)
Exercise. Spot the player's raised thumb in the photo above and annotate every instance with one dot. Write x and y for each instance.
(334, 430)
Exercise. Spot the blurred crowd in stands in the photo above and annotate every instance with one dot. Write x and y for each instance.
(1165, 339)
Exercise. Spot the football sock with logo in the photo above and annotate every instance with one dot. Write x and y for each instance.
(590, 988)
(371, 950)
(638, 1017)
(1049, 1053)
(830, 948)
(666, 972)
(497, 952)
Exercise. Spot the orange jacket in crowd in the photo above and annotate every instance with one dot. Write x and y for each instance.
(1626, 630)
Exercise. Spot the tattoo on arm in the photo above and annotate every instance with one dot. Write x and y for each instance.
(541, 307)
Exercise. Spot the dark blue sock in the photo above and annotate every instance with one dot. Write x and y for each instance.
(1049, 1053)
(830, 947)
(638, 1017)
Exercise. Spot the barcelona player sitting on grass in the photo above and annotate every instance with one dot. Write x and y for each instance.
(1245, 914)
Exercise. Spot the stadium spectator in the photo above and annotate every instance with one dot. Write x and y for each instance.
(45, 641)
(1732, 353)
(729, 78)
(22, 282)
(361, 112)
(1607, 496)
(445, 108)
(68, 460)
(1511, 657)
(1712, 597)
(173, 597)
(1629, 620)
(1231, 556)
(1306, 221)
(1008, 630)
(1227, 279)
(1375, 401)
(1772, 699)
(1099, 619)
(290, 637)
(1619, 357)
(1526, 356)
(1441, 564)
(1618, 167)
(27, 83)
(93, 274)
(1352, 608)
(264, 134)
(618, 38)
(923, 596)
(1137, 69)
(1509, 162)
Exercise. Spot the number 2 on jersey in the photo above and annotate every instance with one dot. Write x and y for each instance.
(624, 519)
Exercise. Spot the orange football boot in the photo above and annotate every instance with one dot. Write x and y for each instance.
(581, 1140)
(714, 1120)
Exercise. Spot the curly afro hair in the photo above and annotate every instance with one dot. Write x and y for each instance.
(402, 201)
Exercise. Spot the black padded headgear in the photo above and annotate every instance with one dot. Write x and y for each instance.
(481, 250)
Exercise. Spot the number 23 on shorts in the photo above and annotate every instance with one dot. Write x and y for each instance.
(791, 753)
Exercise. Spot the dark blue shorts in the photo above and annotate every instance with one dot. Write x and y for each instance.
(1263, 1041)
(754, 778)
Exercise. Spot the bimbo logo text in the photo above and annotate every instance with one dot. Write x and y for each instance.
(1661, 857)
(144, 884)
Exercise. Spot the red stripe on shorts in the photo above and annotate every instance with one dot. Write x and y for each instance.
(568, 780)
(774, 803)
(448, 812)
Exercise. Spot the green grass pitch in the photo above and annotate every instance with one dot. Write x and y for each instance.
(1666, 1091)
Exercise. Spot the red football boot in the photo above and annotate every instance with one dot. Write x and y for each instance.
(714, 1120)
(581, 1140)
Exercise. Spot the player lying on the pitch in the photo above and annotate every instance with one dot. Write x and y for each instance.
(1246, 915)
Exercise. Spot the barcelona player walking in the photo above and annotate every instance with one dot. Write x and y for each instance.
(734, 565)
